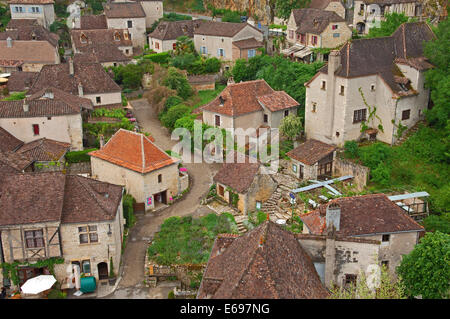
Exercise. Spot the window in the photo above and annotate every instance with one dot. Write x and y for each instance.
(350, 280)
(127, 51)
(34, 238)
(203, 50)
(341, 92)
(35, 9)
(294, 168)
(314, 107)
(385, 263)
(266, 118)
(49, 118)
(286, 113)
(83, 38)
(302, 38)
(174, 46)
(220, 52)
(323, 85)
(129, 36)
(385, 238)
(314, 39)
(36, 129)
(86, 266)
(18, 9)
(160, 178)
(156, 45)
(372, 87)
(359, 116)
(334, 27)
(221, 190)
(88, 234)
(98, 99)
(258, 205)
(217, 120)
(291, 34)
(130, 23)
(406, 114)
(336, 35)
(251, 53)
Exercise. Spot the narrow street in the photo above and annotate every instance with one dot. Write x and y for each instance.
(132, 282)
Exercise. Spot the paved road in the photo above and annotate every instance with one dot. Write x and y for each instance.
(132, 283)
(195, 15)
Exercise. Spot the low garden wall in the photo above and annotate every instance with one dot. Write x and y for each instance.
(359, 172)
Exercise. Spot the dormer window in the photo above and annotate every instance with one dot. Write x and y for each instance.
(221, 100)
(116, 36)
(83, 38)
(126, 35)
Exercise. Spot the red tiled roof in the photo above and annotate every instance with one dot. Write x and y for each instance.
(21, 81)
(14, 162)
(277, 101)
(123, 10)
(224, 29)
(248, 44)
(31, 1)
(8, 142)
(89, 22)
(44, 150)
(242, 98)
(134, 151)
(363, 215)
(311, 151)
(266, 263)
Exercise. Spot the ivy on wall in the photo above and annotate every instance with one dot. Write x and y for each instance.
(372, 115)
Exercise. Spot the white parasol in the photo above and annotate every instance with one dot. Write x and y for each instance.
(38, 284)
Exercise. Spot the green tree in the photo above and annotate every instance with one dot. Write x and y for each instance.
(351, 149)
(178, 81)
(283, 8)
(231, 16)
(291, 126)
(184, 45)
(389, 25)
(426, 269)
(5, 16)
(438, 78)
(173, 114)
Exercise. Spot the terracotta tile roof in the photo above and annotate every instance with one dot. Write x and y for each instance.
(14, 161)
(31, 33)
(100, 37)
(123, 10)
(21, 81)
(171, 30)
(242, 98)
(31, 1)
(363, 215)
(238, 176)
(18, 23)
(28, 51)
(134, 151)
(206, 78)
(277, 101)
(55, 197)
(92, 77)
(100, 54)
(40, 104)
(44, 150)
(363, 57)
(314, 20)
(11, 63)
(251, 43)
(311, 151)
(88, 22)
(224, 29)
(8, 142)
(265, 263)
(320, 4)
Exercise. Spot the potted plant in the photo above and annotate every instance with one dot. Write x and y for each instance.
(112, 275)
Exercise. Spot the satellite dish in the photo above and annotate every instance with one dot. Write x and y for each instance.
(373, 276)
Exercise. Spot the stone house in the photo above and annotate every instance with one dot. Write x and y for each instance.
(250, 104)
(95, 39)
(373, 217)
(90, 22)
(223, 40)
(366, 12)
(248, 182)
(314, 28)
(165, 35)
(386, 73)
(28, 49)
(312, 160)
(44, 215)
(104, 54)
(153, 9)
(148, 174)
(329, 5)
(40, 10)
(87, 80)
(49, 113)
(265, 263)
(130, 16)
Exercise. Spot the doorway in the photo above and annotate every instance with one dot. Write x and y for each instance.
(102, 271)
(161, 197)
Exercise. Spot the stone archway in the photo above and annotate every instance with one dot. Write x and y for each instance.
(102, 270)
(360, 27)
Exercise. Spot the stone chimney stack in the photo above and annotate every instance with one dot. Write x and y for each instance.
(334, 62)
(9, 42)
(26, 107)
(230, 80)
(80, 89)
(102, 141)
(333, 216)
(71, 70)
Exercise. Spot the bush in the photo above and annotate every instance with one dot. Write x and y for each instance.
(212, 65)
(375, 154)
(160, 58)
(438, 223)
(381, 175)
(128, 210)
(79, 156)
(231, 16)
(171, 295)
(172, 101)
(351, 149)
(15, 96)
(56, 294)
(173, 114)
(177, 81)
(187, 122)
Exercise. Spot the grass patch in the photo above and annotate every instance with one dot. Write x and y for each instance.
(204, 97)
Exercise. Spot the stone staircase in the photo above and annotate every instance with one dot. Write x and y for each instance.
(240, 223)
(286, 184)
(408, 133)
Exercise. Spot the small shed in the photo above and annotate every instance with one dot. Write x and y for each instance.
(312, 160)
(202, 82)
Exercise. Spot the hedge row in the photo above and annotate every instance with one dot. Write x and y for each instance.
(79, 156)
(159, 58)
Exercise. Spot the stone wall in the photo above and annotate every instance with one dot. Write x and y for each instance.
(79, 168)
(342, 167)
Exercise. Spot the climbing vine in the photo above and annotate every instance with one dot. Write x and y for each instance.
(11, 270)
(400, 128)
(234, 196)
(372, 115)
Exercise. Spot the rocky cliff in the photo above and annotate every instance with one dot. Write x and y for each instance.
(259, 8)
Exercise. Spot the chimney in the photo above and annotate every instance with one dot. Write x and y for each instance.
(9, 42)
(80, 89)
(102, 141)
(334, 62)
(230, 80)
(221, 100)
(333, 216)
(71, 71)
(26, 107)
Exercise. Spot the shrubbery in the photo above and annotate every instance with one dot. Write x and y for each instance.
(177, 81)
(79, 156)
(174, 113)
(128, 210)
(160, 58)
